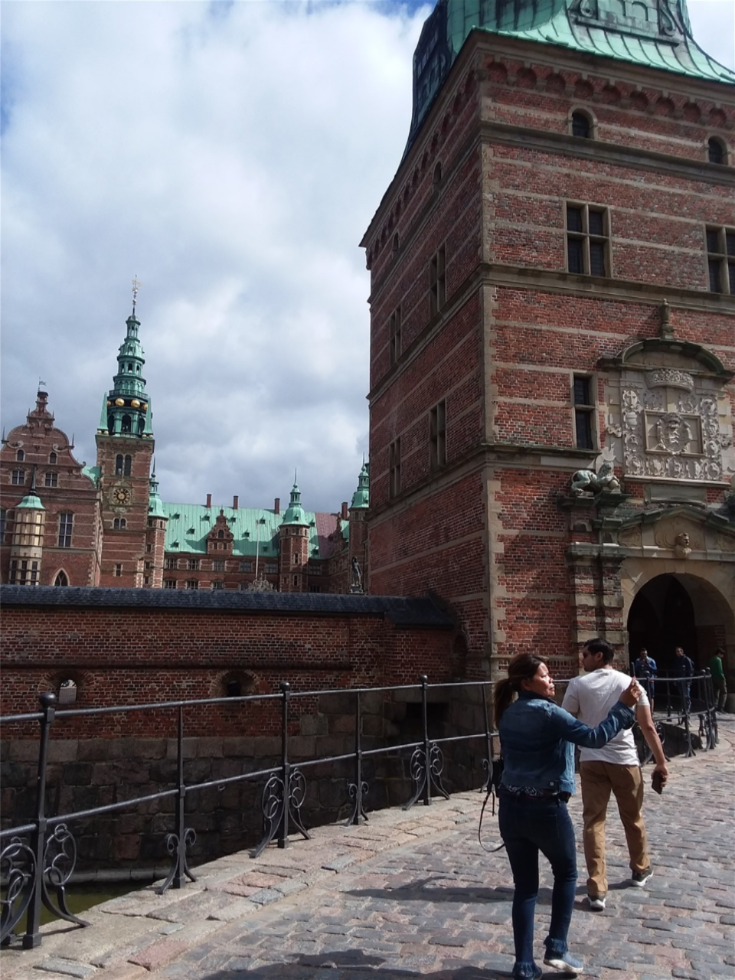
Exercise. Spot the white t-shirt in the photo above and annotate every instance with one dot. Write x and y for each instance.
(590, 697)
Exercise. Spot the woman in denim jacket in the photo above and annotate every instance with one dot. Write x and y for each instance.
(537, 739)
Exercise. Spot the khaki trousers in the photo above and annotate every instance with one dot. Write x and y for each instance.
(599, 779)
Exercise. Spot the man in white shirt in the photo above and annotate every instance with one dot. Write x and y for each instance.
(613, 768)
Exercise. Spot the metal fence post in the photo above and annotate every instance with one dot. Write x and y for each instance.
(358, 789)
(32, 937)
(427, 747)
(285, 766)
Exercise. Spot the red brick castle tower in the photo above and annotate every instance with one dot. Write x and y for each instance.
(124, 455)
(553, 290)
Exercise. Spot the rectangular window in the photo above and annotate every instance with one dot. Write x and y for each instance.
(169, 583)
(218, 565)
(23, 572)
(3, 521)
(218, 585)
(66, 521)
(721, 259)
(437, 281)
(18, 478)
(315, 588)
(117, 571)
(171, 563)
(192, 583)
(584, 412)
(438, 435)
(588, 240)
(51, 480)
(395, 335)
(271, 568)
(193, 564)
(394, 468)
(246, 566)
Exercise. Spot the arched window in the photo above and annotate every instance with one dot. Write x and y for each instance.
(220, 534)
(61, 579)
(396, 242)
(118, 464)
(437, 174)
(716, 151)
(119, 523)
(581, 125)
(126, 424)
(52, 458)
(127, 465)
(20, 456)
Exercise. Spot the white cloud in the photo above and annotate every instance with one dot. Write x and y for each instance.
(230, 156)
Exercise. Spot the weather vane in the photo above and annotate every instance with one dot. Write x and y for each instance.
(136, 287)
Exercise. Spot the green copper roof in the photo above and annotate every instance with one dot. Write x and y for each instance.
(31, 501)
(361, 496)
(126, 409)
(295, 513)
(93, 472)
(189, 525)
(655, 33)
(155, 504)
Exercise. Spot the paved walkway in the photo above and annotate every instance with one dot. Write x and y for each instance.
(412, 895)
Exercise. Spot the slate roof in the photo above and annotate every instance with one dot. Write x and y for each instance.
(403, 611)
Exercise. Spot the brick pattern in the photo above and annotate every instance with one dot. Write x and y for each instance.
(488, 177)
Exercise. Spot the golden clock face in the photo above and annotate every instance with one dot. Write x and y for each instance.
(121, 495)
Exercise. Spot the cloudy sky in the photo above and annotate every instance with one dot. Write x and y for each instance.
(229, 155)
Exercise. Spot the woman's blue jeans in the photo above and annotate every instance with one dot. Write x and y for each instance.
(528, 826)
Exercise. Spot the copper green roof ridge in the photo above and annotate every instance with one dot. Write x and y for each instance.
(658, 35)
(189, 524)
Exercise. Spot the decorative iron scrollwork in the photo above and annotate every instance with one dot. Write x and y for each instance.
(177, 849)
(59, 861)
(357, 794)
(17, 871)
(275, 810)
(425, 775)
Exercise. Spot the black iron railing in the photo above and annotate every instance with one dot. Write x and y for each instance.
(39, 858)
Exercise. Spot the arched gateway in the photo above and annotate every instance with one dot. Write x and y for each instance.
(673, 610)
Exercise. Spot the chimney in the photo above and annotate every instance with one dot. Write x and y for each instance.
(344, 515)
(235, 502)
(277, 505)
(209, 500)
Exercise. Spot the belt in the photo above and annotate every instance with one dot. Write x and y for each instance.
(539, 798)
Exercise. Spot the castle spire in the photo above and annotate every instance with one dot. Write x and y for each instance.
(126, 411)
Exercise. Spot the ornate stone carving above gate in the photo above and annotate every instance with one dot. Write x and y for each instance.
(668, 414)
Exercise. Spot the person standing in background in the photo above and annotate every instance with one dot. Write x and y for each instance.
(718, 678)
(684, 668)
(645, 669)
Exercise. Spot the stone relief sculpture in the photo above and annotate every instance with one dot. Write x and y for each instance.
(593, 482)
(668, 428)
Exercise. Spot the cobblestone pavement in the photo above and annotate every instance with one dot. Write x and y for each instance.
(415, 896)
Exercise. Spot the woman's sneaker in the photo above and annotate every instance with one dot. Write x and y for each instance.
(596, 904)
(564, 963)
(640, 878)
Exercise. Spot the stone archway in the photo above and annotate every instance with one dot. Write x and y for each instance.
(674, 609)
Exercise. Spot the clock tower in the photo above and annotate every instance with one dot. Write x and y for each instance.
(124, 455)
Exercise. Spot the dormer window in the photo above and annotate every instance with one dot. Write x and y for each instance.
(20, 456)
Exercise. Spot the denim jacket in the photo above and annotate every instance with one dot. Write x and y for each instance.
(537, 738)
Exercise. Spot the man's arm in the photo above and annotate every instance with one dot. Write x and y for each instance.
(647, 727)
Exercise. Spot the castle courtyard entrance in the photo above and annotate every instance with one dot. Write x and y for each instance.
(684, 610)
